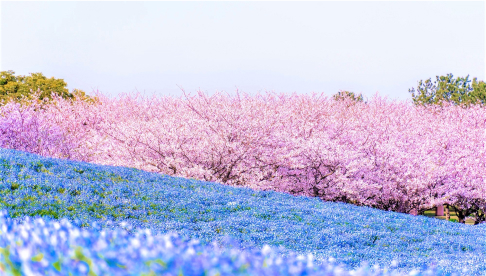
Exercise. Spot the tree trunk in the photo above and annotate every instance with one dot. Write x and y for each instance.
(461, 215)
(448, 214)
(480, 218)
(439, 211)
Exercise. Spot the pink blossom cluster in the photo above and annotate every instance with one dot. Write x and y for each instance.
(384, 154)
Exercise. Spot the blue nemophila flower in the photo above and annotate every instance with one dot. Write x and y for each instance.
(115, 252)
(98, 199)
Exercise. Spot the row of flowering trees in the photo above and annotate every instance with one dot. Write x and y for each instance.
(384, 154)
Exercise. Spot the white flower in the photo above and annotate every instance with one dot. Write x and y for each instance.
(191, 251)
(53, 240)
(135, 243)
(266, 249)
(24, 253)
(24, 234)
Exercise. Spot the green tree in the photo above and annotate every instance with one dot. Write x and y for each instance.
(17, 87)
(9, 86)
(346, 94)
(446, 88)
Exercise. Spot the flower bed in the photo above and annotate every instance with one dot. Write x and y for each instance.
(103, 200)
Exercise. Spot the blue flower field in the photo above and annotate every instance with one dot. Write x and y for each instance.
(63, 217)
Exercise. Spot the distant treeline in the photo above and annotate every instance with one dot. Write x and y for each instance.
(446, 88)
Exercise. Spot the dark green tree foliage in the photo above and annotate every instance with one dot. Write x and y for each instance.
(457, 91)
(346, 94)
(17, 87)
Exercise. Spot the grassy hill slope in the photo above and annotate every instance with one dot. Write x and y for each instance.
(95, 196)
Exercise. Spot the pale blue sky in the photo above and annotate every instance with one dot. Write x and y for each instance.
(286, 47)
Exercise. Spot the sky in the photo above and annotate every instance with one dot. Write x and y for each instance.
(160, 48)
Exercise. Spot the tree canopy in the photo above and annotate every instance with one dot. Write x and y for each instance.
(14, 88)
(446, 88)
(341, 95)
